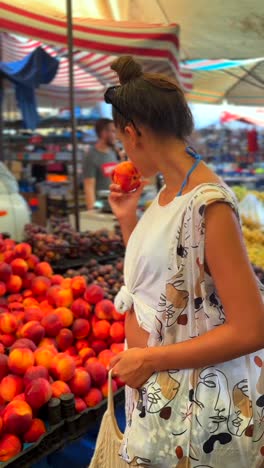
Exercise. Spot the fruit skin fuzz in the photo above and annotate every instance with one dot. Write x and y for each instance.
(127, 176)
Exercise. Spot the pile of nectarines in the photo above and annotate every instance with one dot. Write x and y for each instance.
(57, 336)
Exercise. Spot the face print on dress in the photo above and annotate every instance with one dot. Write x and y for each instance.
(160, 391)
(240, 421)
(178, 299)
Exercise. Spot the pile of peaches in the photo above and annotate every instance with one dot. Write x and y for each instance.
(57, 336)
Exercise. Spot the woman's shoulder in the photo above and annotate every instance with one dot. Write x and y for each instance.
(208, 193)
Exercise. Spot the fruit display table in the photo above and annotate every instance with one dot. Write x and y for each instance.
(58, 335)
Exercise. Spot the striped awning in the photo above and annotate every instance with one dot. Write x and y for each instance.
(96, 44)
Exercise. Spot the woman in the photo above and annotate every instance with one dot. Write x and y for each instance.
(195, 318)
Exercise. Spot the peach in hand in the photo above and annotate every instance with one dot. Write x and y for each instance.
(126, 176)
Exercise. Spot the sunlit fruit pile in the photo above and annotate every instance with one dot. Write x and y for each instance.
(57, 336)
(254, 239)
(64, 242)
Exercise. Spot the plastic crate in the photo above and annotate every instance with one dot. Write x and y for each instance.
(48, 443)
(77, 426)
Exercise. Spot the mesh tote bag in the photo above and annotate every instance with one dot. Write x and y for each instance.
(109, 438)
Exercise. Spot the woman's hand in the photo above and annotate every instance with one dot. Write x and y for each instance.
(124, 205)
(132, 367)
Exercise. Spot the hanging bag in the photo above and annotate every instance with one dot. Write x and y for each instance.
(109, 439)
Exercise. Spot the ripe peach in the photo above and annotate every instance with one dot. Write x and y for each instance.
(97, 372)
(93, 397)
(117, 348)
(65, 316)
(59, 388)
(80, 344)
(14, 284)
(17, 417)
(8, 256)
(81, 308)
(33, 313)
(127, 176)
(27, 281)
(32, 261)
(44, 269)
(64, 339)
(2, 350)
(117, 316)
(35, 372)
(51, 294)
(8, 323)
(117, 332)
(7, 339)
(15, 306)
(48, 342)
(5, 271)
(20, 397)
(56, 279)
(86, 353)
(38, 392)
(45, 355)
(20, 359)
(78, 361)
(9, 244)
(30, 302)
(105, 357)
(35, 431)
(71, 351)
(40, 285)
(62, 367)
(80, 405)
(80, 383)
(101, 329)
(10, 446)
(10, 386)
(104, 309)
(46, 308)
(93, 294)
(104, 388)
(19, 267)
(23, 250)
(2, 289)
(52, 324)
(24, 343)
(33, 331)
(63, 298)
(66, 283)
(27, 292)
(98, 346)
(81, 328)
(3, 366)
(78, 286)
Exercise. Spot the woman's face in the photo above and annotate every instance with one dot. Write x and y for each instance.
(137, 150)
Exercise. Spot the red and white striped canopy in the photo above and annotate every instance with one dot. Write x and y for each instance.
(96, 45)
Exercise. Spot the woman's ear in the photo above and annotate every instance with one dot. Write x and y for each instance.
(131, 136)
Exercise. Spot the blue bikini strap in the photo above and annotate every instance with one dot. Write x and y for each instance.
(197, 158)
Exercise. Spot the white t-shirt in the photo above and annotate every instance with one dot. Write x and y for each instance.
(146, 259)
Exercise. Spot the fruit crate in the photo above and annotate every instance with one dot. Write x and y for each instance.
(48, 443)
(79, 425)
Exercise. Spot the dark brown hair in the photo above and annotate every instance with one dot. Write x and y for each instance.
(153, 100)
(101, 125)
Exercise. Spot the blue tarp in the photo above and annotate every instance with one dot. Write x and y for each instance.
(27, 74)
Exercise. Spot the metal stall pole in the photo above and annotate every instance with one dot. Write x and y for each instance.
(72, 113)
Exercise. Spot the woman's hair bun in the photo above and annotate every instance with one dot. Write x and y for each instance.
(127, 69)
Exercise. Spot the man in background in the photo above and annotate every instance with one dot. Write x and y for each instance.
(99, 162)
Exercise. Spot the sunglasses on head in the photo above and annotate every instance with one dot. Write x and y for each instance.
(109, 97)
